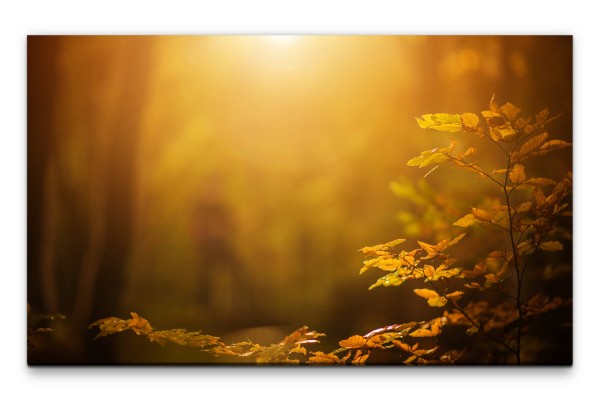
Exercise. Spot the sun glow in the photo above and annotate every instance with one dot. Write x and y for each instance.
(281, 40)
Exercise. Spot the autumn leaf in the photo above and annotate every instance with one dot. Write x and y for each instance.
(441, 122)
(538, 198)
(401, 345)
(390, 280)
(323, 358)
(455, 296)
(510, 111)
(472, 330)
(493, 105)
(482, 215)
(538, 181)
(426, 293)
(555, 144)
(431, 329)
(353, 342)
(551, 246)
(360, 358)
(409, 359)
(517, 174)
(469, 121)
(437, 302)
(529, 146)
(427, 158)
(138, 324)
(373, 250)
(466, 221)
(298, 350)
(525, 247)
(428, 270)
(423, 352)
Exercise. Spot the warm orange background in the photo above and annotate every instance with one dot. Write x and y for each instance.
(225, 183)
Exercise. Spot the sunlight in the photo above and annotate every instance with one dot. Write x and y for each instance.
(281, 40)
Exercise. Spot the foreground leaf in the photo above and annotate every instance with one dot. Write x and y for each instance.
(441, 122)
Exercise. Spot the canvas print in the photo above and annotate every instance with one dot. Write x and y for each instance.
(299, 200)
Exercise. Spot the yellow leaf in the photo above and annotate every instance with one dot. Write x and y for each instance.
(510, 111)
(517, 174)
(360, 357)
(422, 352)
(469, 121)
(426, 293)
(401, 345)
(525, 247)
(409, 359)
(555, 144)
(455, 296)
(504, 133)
(422, 333)
(523, 207)
(373, 250)
(521, 122)
(324, 359)
(427, 247)
(542, 116)
(441, 122)
(298, 349)
(454, 241)
(437, 302)
(482, 215)
(345, 358)
(353, 342)
(433, 330)
(139, 325)
(531, 145)
(465, 221)
(428, 270)
(494, 105)
(538, 197)
(540, 181)
(469, 152)
(472, 330)
(551, 246)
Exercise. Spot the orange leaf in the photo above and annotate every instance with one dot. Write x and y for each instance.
(482, 215)
(469, 121)
(401, 345)
(322, 358)
(426, 293)
(360, 357)
(494, 105)
(517, 174)
(353, 342)
(531, 145)
(510, 111)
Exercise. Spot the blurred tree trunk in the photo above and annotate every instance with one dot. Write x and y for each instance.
(42, 81)
(86, 96)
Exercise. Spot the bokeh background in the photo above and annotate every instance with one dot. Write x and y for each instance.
(225, 183)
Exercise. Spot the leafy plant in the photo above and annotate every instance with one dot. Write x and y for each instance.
(527, 211)
(485, 298)
(280, 353)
